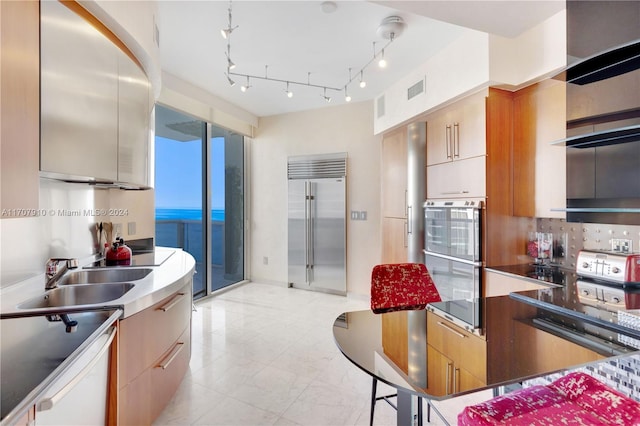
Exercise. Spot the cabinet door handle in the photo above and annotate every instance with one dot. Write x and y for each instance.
(48, 403)
(457, 333)
(405, 236)
(456, 377)
(447, 378)
(174, 353)
(456, 140)
(447, 140)
(173, 302)
(454, 192)
(406, 202)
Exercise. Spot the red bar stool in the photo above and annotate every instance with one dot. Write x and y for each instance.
(575, 399)
(400, 287)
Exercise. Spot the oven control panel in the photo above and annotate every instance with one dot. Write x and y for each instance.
(614, 267)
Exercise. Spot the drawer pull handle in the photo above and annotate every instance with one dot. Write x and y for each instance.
(174, 353)
(457, 333)
(173, 302)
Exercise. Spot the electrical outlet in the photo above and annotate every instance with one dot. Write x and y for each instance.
(131, 228)
(363, 215)
(621, 245)
(117, 230)
(355, 215)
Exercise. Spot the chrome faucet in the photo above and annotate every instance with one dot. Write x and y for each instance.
(55, 269)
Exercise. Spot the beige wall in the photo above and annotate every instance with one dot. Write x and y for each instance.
(346, 128)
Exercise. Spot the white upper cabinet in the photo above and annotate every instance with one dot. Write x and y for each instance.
(134, 108)
(94, 103)
(78, 101)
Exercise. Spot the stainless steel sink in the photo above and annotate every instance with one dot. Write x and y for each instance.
(78, 295)
(104, 276)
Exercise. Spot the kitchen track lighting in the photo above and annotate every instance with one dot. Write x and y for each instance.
(326, 98)
(389, 29)
(230, 64)
(226, 32)
(383, 62)
(245, 87)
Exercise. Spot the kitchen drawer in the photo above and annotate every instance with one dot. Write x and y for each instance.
(143, 399)
(463, 348)
(168, 373)
(148, 334)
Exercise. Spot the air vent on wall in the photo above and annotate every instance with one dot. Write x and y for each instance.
(415, 90)
(380, 107)
(317, 166)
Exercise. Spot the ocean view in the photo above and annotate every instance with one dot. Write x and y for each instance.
(187, 214)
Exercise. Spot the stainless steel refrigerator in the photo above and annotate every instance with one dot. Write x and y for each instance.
(317, 222)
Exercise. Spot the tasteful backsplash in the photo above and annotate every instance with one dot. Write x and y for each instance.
(65, 226)
(591, 236)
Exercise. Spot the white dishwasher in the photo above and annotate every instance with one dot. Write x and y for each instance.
(79, 395)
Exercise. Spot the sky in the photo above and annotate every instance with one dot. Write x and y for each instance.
(178, 174)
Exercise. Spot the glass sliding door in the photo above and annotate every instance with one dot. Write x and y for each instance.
(227, 208)
(199, 168)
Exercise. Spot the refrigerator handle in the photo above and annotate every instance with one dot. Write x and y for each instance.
(311, 236)
(410, 220)
(306, 231)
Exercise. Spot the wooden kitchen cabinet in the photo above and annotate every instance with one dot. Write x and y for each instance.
(539, 177)
(395, 343)
(394, 240)
(456, 359)
(155, 347)
(458, 131)
(458, 179)
(394, 174)
(394, 197)
(445, 377)
(456, 149)
(19, 108)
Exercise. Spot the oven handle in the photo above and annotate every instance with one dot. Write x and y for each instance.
(452, 258)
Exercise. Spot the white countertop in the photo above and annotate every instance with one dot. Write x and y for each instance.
(164, 280)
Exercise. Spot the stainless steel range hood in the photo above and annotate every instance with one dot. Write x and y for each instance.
(602, 138)
(603, 112)
(605, 65)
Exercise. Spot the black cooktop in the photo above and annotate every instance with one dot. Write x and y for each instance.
(152, 258)
(549, 274)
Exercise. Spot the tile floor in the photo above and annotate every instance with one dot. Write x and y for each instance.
(265, 355)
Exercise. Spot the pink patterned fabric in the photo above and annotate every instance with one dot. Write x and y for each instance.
(575, 399)
(401, 286)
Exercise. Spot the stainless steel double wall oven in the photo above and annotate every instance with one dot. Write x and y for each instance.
(452, 253)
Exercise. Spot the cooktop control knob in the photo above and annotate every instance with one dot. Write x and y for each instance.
(615, 270)
(585, 265)
(615, 299)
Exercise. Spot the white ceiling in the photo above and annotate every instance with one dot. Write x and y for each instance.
(296, 37)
